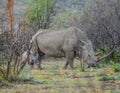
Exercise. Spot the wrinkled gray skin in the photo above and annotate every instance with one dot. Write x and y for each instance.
(66, 42)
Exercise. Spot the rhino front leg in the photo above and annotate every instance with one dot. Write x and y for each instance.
(70, 57)
(66, 64)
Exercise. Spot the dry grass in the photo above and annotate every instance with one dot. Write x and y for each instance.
(53, 79)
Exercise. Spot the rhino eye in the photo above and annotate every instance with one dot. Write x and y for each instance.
(89, 56)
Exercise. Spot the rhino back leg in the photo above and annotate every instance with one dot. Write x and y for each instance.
(40, 57)
(70, 57)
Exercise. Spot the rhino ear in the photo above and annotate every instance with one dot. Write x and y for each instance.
(82, 43)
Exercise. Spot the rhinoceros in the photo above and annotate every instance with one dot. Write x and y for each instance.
(67, 42)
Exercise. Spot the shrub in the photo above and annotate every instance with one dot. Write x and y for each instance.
(40, 12)
(115, 66)
(64, 18)
(116, 91)
(106, 77)
(100, 19)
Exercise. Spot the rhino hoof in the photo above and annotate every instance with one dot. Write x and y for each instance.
(73, 68)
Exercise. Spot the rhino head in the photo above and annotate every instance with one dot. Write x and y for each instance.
(88, 53)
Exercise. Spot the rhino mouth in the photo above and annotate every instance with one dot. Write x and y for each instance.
(93, 64)
(32, 62)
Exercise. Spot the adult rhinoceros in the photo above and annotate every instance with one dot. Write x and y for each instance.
(67, 42)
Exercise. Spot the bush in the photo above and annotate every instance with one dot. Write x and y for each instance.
(107, 77)
(115, 66)
(64, 19)
(116, 91)
(40, 12)
(100, 19)
(114, 57)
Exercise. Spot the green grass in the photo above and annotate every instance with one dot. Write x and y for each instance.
(54, 79)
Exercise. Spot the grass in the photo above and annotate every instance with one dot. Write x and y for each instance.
(54, 79)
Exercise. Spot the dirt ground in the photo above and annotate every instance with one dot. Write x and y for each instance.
(54, 79)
